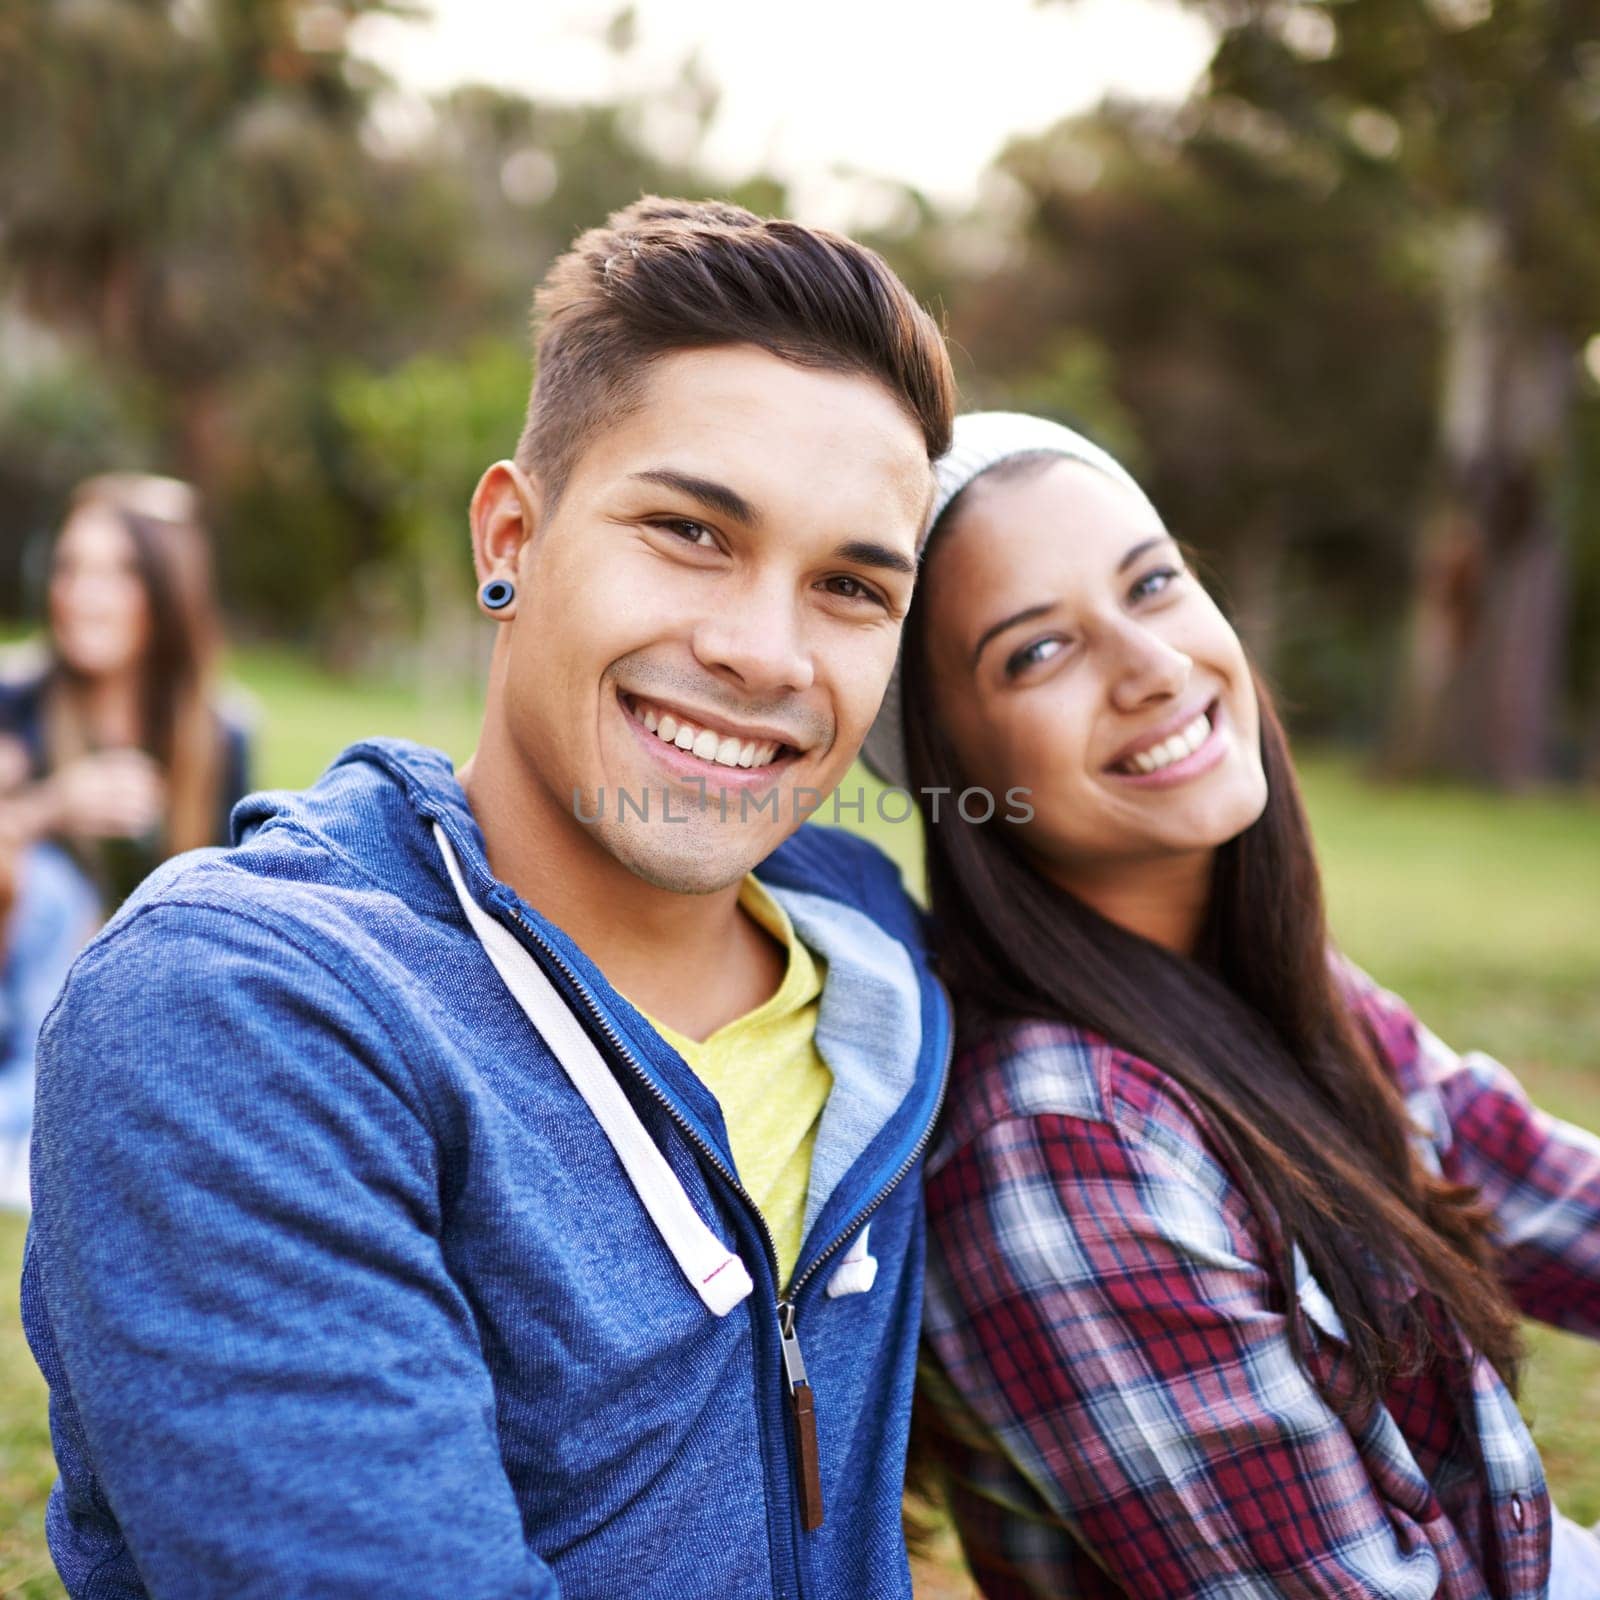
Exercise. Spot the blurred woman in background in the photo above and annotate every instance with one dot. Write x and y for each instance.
(1226, 1252)
(114, 754)
(130, 757)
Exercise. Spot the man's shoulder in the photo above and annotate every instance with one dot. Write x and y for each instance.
(200, 924)
(354, 844)
(842, 866)
(285, 899)
(242, 884)
(226, 979)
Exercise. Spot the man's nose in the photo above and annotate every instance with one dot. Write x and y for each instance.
(757, 639)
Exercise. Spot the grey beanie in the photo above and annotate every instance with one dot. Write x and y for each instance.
(982, 439)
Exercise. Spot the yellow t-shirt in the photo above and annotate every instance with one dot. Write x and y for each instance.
(770, 1081)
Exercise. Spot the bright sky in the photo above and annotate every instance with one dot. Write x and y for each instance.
(926, 93)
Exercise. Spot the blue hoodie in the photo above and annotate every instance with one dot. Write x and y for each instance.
(341, 1289)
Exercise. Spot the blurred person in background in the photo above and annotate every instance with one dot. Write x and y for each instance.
(114, 754)
(47, 912)
(130, 756)
(1226, 1251)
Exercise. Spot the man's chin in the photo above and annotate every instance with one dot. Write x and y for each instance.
(683, 860)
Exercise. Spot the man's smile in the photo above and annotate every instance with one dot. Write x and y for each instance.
(692, 744)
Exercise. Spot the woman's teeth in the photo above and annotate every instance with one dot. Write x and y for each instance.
(723, 749)
(1183, 743)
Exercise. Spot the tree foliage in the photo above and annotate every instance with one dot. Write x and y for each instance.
(1331, 309)
(1260, 358)
(1415, 173)
(237, 224)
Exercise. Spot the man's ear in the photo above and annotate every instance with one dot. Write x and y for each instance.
(504, 515)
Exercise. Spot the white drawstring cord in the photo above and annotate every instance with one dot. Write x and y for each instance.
(714, 1271)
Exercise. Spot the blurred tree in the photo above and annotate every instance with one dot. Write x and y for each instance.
(186, 186)
(1214, 307)
(60, 421)
(423, 433)
(1583, 678)
(234, 222)
(1478, 124)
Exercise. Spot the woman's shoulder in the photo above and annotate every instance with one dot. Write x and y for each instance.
(1386, 1018)
(1021, 1067)
(237, 711)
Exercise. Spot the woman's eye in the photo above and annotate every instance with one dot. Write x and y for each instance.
(1030, 655)
(1154, 582)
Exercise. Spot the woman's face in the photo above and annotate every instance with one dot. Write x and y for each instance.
(99, 612)
(1074, 655)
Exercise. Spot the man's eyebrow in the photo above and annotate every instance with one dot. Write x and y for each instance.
(1140, 548)
(715, 496)
(867, 553)
(1026, 615)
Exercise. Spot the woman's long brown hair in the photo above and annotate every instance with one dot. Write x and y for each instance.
(178, 722)
(1255, 1028)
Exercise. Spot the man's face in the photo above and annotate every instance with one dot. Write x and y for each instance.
(705, 624)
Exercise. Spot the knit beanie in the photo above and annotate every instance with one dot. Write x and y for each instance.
(982, 439)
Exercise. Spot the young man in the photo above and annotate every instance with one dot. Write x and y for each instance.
(435, 1191)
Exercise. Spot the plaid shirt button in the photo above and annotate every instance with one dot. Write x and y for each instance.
(1517, 1513)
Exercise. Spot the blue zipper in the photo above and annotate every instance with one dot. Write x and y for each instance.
(806, 1488)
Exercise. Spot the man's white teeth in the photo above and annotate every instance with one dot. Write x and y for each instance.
(1183, 743)
(723, 749)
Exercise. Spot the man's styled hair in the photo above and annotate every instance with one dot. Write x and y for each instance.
(667, 275)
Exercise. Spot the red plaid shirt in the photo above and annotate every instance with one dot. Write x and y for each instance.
(1113, 1367)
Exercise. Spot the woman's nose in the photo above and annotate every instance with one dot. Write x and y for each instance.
(1146, 667)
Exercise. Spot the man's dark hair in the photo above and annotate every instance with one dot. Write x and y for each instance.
(668, 275)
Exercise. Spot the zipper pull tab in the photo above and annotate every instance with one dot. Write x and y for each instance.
(808, 1462)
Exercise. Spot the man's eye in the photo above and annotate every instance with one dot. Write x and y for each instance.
(686, 529)
(1154, 582)
(1030, 655)
(849, 588)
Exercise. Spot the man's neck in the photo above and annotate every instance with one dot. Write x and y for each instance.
(692, 961)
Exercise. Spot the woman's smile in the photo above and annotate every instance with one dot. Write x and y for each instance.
(1182, 748)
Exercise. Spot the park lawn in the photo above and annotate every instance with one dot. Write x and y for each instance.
(1481, 910)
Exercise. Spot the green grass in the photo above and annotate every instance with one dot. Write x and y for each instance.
(1481, 910)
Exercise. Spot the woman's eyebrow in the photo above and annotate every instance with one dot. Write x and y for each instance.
(1026, 615)
(1142, 546)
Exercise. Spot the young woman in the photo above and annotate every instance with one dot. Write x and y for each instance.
(1226, 1251)
(129, 757)
(114, 755)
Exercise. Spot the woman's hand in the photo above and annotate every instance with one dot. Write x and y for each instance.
(110, 794)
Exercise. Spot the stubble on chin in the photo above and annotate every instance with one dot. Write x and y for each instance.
(692, 861)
